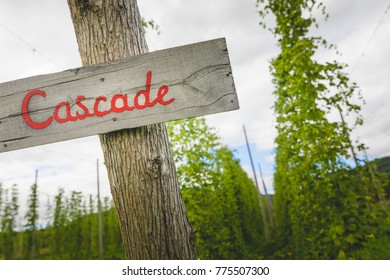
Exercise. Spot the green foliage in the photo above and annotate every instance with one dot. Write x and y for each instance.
(194, 147)
(150, 24)
(220, 199)
(8, 222)
(31, 223)
(383, 164)
(71, 230)
(59, 222)
(384, 167)
(323, 209)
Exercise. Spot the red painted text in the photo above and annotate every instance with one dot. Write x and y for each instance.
(119, 103)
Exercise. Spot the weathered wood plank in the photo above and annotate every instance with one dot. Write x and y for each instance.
(182, 82)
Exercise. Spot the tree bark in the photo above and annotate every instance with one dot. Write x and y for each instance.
(140, 166)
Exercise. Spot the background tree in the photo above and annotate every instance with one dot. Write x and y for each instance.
(239, 200)
(90, 228)
(59, 222)
(220, 199)
(323, 208)
(73, 237)
(140, 167)
(8, 222)
(31, 223)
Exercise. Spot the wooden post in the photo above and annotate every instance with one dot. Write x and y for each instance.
(139, 163)
(268, 199)
(263, 215)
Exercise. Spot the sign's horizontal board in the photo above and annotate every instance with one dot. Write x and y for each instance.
(171, 84)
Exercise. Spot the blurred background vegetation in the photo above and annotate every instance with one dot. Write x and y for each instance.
(222, 203)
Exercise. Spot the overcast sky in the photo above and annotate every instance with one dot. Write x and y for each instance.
(37, 37)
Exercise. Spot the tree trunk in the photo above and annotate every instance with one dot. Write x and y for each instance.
(140, 166)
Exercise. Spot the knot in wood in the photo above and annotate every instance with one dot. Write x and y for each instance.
(84, 6)
(157, 161)
(154, 168)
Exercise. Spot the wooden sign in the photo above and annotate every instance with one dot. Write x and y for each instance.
(161, 86)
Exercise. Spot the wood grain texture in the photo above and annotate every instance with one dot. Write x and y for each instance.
(139, 163)
(199, 77)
